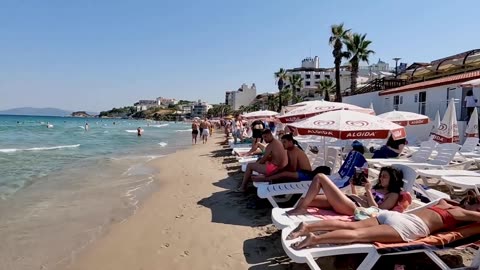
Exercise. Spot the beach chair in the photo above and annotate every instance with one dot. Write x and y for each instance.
(443, 160)
(281, 220)
(421, 155)
(463, 182)
(426, 245)
(439, 173)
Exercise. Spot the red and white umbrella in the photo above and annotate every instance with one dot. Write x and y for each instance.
(319, 107)
(472, 127)
(347, 124)
(405, 118)
(447, 132)
(259, 114)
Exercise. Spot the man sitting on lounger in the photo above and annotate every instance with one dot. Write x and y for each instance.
(274, 159)
(298, 167)
(390, 226)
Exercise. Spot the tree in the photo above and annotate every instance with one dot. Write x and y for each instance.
(324, 88)
(281, 77)
(337, 38)
(295, 84)
(358, 51)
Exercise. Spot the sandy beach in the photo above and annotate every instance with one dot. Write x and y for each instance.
(194, 222)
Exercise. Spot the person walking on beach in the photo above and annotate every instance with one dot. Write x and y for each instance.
(210, 128)
(194, 131)
(274, 159)
(204, 125)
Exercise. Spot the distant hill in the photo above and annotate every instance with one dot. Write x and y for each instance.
(37, 111)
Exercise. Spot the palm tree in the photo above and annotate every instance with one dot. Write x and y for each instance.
(295, 84)
(281, 77)
(357, 50)
(339, 35)
(324, 88)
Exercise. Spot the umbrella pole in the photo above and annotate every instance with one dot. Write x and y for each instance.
(324, 151)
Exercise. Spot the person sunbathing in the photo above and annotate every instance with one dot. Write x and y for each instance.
(298, 167)
(384, 195)
(258, 148)
(390, 226)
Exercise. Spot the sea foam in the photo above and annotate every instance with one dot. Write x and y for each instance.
(12, 150)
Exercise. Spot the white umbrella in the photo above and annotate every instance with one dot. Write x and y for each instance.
(436, 122)
(405, 118)
(472, 127)
(447, 132)
(348, 125)
(318, 107)
(259, 114)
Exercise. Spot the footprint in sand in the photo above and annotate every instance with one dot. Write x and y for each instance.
(185, 253)
(166, 245)
(179, 216)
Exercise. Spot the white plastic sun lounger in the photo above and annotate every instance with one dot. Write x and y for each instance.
(438, 174)
(309, 255)
(463, 182)
(422, 155)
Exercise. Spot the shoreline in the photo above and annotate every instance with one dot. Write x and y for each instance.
(188, 221)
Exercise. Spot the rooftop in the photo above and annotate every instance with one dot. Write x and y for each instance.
(459, 78)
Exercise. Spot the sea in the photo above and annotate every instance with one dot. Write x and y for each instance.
(62, 185)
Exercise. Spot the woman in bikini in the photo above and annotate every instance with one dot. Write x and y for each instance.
(383, 195)
(390, 226)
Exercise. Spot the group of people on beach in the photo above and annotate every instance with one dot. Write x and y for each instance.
(203, 127)
(283, 160)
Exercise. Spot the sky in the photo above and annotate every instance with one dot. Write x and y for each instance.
(95, 55)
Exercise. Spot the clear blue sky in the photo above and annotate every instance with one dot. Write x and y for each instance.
(95, 55)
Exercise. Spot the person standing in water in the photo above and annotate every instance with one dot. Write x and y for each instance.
(139, 131)
(86, 127)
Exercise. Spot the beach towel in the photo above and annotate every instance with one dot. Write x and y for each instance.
(328, 214)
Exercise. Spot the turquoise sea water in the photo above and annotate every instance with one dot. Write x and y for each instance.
(61, 187)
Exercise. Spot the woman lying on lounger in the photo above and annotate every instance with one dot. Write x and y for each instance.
(390, 226)
(384, 194)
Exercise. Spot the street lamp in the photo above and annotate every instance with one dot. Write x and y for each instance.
(396, 65)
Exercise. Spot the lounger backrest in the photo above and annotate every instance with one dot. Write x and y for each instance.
(469, 145)
(425, 151)
(334, 159)
(409, 176)
(445, 153)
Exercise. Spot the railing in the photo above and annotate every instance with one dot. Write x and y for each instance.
(380, 84)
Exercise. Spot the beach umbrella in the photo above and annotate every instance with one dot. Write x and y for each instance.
(319, 107)
(405, 118)
(472, 127)
(348, 125)
(259, 114)
(436, 122)
(447, 132)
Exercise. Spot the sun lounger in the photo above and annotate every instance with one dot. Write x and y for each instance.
(426, 245)
(421, 155)
(438, 174)
(463, 182)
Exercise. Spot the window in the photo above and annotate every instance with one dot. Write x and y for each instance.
(317, 82)
(307, 83)
(327, 77)
(397, 100)
(307, 76)
(317, 76)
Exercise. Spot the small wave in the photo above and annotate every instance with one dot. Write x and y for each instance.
(82, 127)
(11, 150)
(161, 125)
(162, 144)
(131, 130)
(183, 130)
